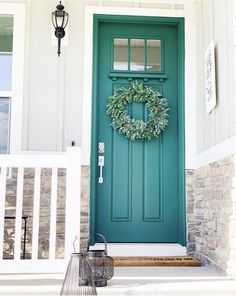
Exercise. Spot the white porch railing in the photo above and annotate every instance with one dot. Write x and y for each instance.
(71, 161)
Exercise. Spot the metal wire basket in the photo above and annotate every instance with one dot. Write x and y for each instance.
(101, 264)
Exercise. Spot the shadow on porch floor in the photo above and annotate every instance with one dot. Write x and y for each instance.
(131, 281)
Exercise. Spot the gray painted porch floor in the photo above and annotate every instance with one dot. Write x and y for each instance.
(131, 281)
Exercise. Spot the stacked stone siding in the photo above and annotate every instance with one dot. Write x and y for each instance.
(190, 210)
(84, 228)
(211, 213)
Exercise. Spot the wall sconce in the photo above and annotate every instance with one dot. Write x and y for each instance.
(60, 20)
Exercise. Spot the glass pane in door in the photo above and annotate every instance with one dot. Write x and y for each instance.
(137, 55)
(153, 55)
(121, 54)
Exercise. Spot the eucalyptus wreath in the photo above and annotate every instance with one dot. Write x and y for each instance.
(138, 129)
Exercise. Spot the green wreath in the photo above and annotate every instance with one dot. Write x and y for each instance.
(138, 129)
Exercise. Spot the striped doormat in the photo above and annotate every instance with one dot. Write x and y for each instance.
(156, 261)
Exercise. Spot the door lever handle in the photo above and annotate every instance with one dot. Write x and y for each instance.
(101, 165)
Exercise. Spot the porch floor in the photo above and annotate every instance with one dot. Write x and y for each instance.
(131, 281)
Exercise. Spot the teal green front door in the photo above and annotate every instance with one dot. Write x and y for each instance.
(139, 198)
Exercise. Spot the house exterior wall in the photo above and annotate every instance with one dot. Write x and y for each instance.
(215, 21)
(54, 97)
(53, 87)
(210, 186)
(56, 93)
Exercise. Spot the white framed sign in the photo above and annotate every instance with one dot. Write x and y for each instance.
(210, 77)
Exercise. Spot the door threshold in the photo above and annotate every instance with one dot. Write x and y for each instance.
(142, 249)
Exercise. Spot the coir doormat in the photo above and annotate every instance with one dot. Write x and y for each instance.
(156, 261)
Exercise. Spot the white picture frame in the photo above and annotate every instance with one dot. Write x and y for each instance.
(210, 77)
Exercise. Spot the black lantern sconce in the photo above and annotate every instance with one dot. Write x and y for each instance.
(60, 20)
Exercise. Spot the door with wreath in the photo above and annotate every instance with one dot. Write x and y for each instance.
(137, 176)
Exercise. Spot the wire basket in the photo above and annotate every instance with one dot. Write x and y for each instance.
(102, 265)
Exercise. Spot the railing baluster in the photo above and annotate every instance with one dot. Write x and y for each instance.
(2, 206)
(35, 236)
(19, 205)
(53, 215)
(73, 191)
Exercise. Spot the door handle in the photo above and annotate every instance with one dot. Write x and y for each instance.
(101, 165)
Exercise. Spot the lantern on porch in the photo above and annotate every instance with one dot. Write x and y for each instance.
(60, 20)
(79, 276)
(74, 283)
(101, 264)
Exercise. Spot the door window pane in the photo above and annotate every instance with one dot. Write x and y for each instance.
(121, 54)
(6, 41)
(137, 55)
(153, 55)
(5, 125)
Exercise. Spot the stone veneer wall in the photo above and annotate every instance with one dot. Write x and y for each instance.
(211, 214)
(45, 193)
(84, 228)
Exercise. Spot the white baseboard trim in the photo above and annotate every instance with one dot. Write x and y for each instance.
(138, 249)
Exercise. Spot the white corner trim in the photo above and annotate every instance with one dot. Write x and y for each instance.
(217, 152)
(190, 86)
(88, 60)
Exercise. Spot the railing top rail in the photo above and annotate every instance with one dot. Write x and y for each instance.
(29, 159)
(41, 153)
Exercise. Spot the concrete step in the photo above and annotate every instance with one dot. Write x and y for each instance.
(133, 249)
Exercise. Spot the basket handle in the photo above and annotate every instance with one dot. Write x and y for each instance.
(104, 240)
(76, 244)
